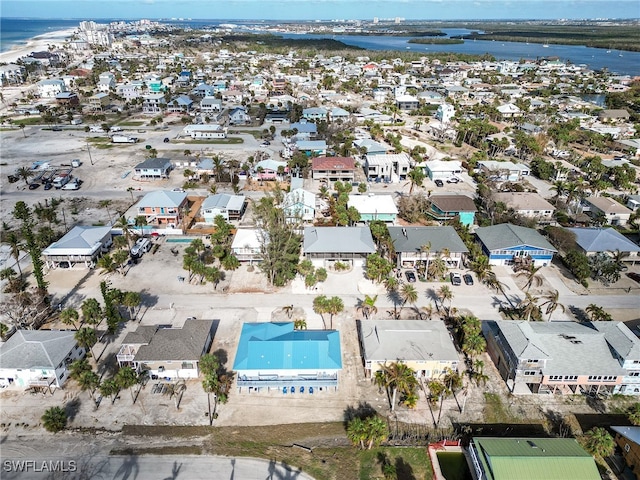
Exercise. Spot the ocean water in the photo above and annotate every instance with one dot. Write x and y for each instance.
(16, 31)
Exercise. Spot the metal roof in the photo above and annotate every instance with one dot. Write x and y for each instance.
(373, 204)
(411, 239)
(224, 201)
(162, 198)
(338, 240)
(79, 238)
(534, 459)
(506, 235)
(603, 240)
(277, 346)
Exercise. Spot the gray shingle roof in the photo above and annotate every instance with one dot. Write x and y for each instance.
(338, 240)
(453, 203)
(406, 340)
(29, 349)
(438, 237)
(506, 235)
(603, 240)
(154, 164)
(179, 344)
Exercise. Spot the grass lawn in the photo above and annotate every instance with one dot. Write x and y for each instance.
(131, 123)
(332, 456)
(28, 121)
(495, 411)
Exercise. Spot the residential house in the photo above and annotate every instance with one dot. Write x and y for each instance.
(337, 114)
(592, 241)
(210, 106)
(162, 207)
(180, 104)
(425, 347)
(106, 82)
(441, 169)
(613, 212)
(304, 130)
(430, 97)
(270, 169)
(315, 113)
(50, 88)
(504, 171)
(38, 358)
(374, 207)
(387, 167)
(11, 74)
(312, 148)
(333, 169)
(445, 112)
(153, 104)
(206, 130)
(299, 205)
(371, 147)
(130, 91)
(169, 353)
(508, 244)
(230, 207)
(98, 101)
(239, 116)
(80, 245)
(418, 246)
(527, 204)
(67, 99)
(444, 207)
(614, 115)
(633, 202)
(531, 459)
(628, 439)
(407, 102)
(327, 245)
(509, 110)
(247, 244)
(565, 357)
(153, 168)
(275, 355)
(204, 90)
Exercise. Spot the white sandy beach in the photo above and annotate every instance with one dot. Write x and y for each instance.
(36, 44)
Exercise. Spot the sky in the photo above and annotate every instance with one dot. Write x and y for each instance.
(322, 9)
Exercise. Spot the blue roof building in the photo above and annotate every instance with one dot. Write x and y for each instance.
(274, 355)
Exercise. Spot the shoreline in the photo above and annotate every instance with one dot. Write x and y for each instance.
(37, 43)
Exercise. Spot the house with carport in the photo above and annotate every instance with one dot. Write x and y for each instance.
(508, 244)
(418, 246)
(82, 245)
(38, 358)
(425, 347)
(171, 353)
(276, 355)
(325, 246)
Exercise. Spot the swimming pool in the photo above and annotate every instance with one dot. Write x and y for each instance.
(179, 240)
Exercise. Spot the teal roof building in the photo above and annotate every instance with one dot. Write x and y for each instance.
(275, 355)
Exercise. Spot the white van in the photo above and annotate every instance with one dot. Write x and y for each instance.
(142, 246)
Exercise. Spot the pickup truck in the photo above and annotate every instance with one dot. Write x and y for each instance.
(72, 185)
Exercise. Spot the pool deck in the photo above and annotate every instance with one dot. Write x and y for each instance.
(446, 446)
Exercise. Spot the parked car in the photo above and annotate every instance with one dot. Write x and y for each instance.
(411, 277)
(33, 186)
(453, 180)
(72, 185)
(265, 143)
(456, 278)
(166, 140)
(48, 186)
(439, 183)
(178, 189)
(57, 129)
(468, 279)
(634, 276)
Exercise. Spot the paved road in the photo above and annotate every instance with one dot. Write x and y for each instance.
(147, 467)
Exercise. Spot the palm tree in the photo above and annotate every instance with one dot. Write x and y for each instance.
(86, 338)
(474, 345)
(123, 224)
(24, 173)
(109, 388)
(376, 431)
(288, 309)
(428, 312)
(552, 303)
(398, 377)
(597, 313)
(334, 306)
(356, 432)
(445, 293)
(54, 419)
(127, 378)
(91, 311)
(131, 300)
(408, 293)
(437, 268)
(89, 381)
(633, 413)
(599, 443)
(107, 264)
(532, 277)
(368, 306)
(416, 177)
(105, 204)
(529, 306)
(300, 324)
(78, 367)
(15, 245)
(69, 316)
(320, 307)
(119, 257)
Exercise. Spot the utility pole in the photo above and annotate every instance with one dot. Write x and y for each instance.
(89, 150)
